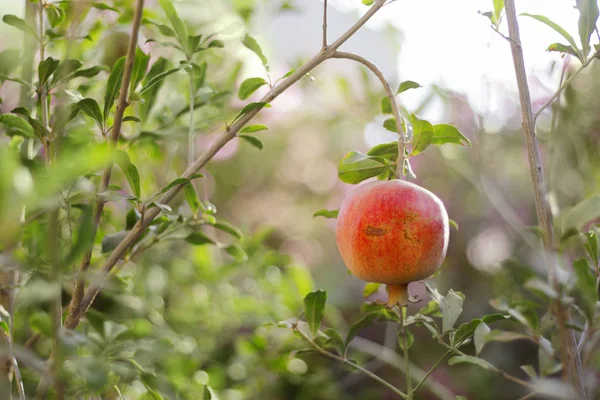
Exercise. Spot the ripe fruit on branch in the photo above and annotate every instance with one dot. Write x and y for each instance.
(392, 232)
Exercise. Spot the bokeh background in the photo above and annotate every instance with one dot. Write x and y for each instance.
(193, 316)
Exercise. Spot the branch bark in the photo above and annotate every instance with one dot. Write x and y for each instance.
(78, 311)
(570, 357)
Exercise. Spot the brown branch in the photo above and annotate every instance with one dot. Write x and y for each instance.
(79, 284)
(570, 357)
(391, 97)
(324, 24)
(76, 313)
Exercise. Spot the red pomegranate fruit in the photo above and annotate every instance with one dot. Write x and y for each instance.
(392, 232)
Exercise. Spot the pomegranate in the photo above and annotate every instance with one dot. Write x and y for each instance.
(392, 232)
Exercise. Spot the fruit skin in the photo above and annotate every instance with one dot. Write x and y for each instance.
(392, 232)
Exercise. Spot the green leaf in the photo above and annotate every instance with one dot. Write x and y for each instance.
(451, 308)
(192, 198)
(539, 286)
(554, 26)
(406, 85)
(91, 108)
(130, 171)
(423, 134)
(113, 86)
(249, 86)
(199, 238)
(563, 49)
(388, 151)
(390, 125)
(176, 22)
(498, 7)
(591, 246)
(370, 288)
(254, 128)
(445, 133)
(365, 321)
(314, 308)
(177, 182)
(131, 118)
(326, 213)
(149, 94)
(471, 360)
(41, 323)
(156, 79)
(368, 2)
(20, 24)
(453, 223)
(66, 69)
(165, 30)
(45, 69)
(432, 308)
(56, 15)
(104, 7)
(252, 140)
(228, 228)
(85, 237)
(334, 340)
(505, 336)
(582, 213)
(9, 61)
(250, 43)
(355, 167)
(216, 44)
(410, 339)
(236, 251)
(89, 72)
(251, 107)
(588, 15)
(110, 242)
(386, 106)
(586, 283)
(140, 66)
(16, 125)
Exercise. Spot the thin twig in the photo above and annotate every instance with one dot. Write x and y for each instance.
(391, 97)
(437, 363)
(76, 314)
(79, 284)
(324, 24)
(570, 357)
(349, 363)
(404, 333)
(564, 85)
(191, 132)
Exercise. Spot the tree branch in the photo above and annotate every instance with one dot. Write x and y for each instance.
(79, 284)
(76, 313)
(570, 358)
(391, 97)
(324, 24)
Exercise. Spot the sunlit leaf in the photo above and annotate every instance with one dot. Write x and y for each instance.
(91, 108)
(326, 213)
(554, 26)
(355, 167)
(451, 308)
(445, 133)
(20, 24)
(16, 125)
(588, 15)
(251, 43)
(314, 308)
(198, 238)
(130, 171)
(406, 85)
(249, 86)
(254, 128)
(113, 85)
(423, 134)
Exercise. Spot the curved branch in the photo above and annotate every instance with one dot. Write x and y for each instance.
(76, 313)
(391, 97)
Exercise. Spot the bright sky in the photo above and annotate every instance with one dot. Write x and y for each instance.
(447, 42)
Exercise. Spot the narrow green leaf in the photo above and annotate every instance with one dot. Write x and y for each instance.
(150, 93)
(326, 213)
(131, 118)
(104, 7)
(365, 321)
(370, 289)
(453, 223)
(130, 171)
(588, 15)
(334, 340)
(89, 72)
(591, 246)
(563, 49)
(140, 66)
(91, 108)
(110, 242)
(177, 182)
(113, 86)
(445, 133)
(471, 360)
(390, 125)
(85, 237)
(581, 214)
(16, 125)
(368, 2)
(176, 22)
(228, 228)
(236, 251)
(410, 339)
(55, 14)
(586, 283)
(406, 85)
(355, 167)
(20, 24)
(46, 68)
(198, 238)
(66, 69)
(192, 198)
(251, 43)
(252, 140)
(423, 133)
(251, 107)
(254, 128)
(554, 26)
(314, 308)
(249, 86)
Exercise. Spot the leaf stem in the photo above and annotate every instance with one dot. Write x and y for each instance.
(404, 333)
(349, 363)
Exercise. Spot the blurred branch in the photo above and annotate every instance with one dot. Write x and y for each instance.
(349, 363)
(564, 85)
(76, 313)
(437, 363)
(570, 357)
(391, 97)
